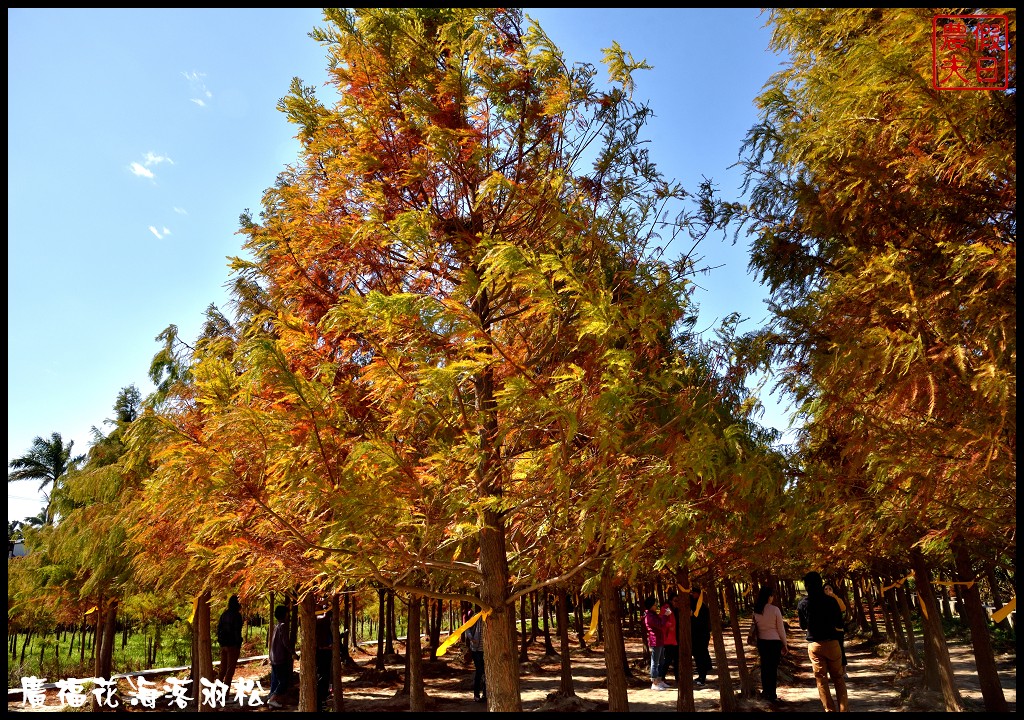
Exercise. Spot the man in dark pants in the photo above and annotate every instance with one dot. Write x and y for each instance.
(229, 636)
(700, 630)
(475, 638)
(324, 645)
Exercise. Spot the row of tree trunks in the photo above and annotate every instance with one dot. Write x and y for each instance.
(895, 605)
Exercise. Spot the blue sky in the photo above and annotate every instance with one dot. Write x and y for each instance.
(137, 137)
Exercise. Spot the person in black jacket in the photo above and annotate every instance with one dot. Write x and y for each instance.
(822, 619)
(324, 659)
(229, 636)
(700, 634)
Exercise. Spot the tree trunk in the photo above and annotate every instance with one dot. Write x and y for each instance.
(525, 633)
(501, 661)
(565, 684)
(684, 690)
(859, 614)
(614, 655)
(391, 631)
(934, 640)
(414, 654)
(870, 602)
(347, 628)
(381, 628)
(435, 626)
(202, 652)
(534, 617)
(307, 655)
(270, 626)
(545, 617)
(984, 657)
(336, 652)
(908, 622)
(886, 603)
(727, 698)
(747, 688)
(106, 625)
(997, 599)
(578, 619)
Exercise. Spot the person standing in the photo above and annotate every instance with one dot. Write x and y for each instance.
(229, 637)
(324, 647)
(671, 656)
(476, 647)
(771, 641)
(282, 654)
(830, 591)
(655, 625)
(822, 619)
(700, 632)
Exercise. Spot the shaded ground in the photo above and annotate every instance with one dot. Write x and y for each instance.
(876, 684)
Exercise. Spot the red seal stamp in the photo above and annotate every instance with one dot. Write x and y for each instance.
(969, 52)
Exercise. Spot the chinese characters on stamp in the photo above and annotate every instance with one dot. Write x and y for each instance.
(969, 52)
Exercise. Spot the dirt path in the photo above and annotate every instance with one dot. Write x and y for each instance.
(875, 685)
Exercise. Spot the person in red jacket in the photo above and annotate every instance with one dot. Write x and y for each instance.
(671, 655)
(655, 626)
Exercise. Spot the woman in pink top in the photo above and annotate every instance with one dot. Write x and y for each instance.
(771, 641)
(670, 660)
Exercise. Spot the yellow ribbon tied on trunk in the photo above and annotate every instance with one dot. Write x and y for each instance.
(590, 634)
(454, 637)
(999, 615)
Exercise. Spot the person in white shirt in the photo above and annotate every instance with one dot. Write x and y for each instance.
(771, 641)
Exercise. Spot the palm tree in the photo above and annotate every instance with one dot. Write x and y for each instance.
(49, 461)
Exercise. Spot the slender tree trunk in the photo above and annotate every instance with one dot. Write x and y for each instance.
(946, 603)
(684, 635)
(984, 657)
(336, 652)
(565, 684)
(885, 602)
(935, 641)
(103, 646)
(435, 628)
(392, 631)
(414, 653)
(614, 655)
(271, 623)
(859, 614)
(501, 665)
(534, 617)
(501, 662)
(904, 606)
(307, 654)
(578, 619)
(997, 599)
(347, 629)
(746, 677)
(549, 648)
(892, 604)
(727, 698)
(381, 628)
(870, 602)
(202, 658)
(25, 641)
(525, 634)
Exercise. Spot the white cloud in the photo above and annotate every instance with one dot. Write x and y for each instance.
(198, 87)
(148, 160)
(154, 159)
(180, 211)
(160, 235)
